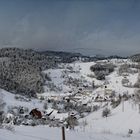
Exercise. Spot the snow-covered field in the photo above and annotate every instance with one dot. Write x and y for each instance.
(47, 133)
(115, 127)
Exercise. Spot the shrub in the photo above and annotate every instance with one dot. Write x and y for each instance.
(106, 112)
(100, 75)
(137, 84)
(71, 122)
(95, 108)
(2, 105)
(47, 77)
(45, 106)
(115, 103)
(137, 95)
(91, 75)
(9, 127)
(93, 84)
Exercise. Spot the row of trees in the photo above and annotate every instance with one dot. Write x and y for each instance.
(34, 58)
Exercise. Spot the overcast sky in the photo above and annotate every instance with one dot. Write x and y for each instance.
(88, 26)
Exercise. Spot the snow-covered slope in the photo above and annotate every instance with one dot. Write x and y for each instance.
(47, 133)
(93, 126)
(124, 117)
(10, 100)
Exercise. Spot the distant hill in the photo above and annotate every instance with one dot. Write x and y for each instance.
(61, 54)
(64, 57)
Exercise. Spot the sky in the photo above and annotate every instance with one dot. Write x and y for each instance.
(91, 27)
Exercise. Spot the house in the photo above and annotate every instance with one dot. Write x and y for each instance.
(36, 113)
(109, 91)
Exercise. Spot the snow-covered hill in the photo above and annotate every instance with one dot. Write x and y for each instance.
(75, 82)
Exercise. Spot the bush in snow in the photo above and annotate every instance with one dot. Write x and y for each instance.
(45, 106)
(2, 105)
(54, 105)
(93, 84)
(100, 75)
(84, 123)
(95, 108)
(106, 112)
(137, 96)
(130, 132)
(115, 103)
(17, 110)
(9, 127)
(83, 108)
(22, 98)
(91, 75)
(53, 87)
(137, 84)
(47, 77)
(72, 122)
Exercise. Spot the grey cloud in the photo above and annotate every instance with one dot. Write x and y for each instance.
(90, 27)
